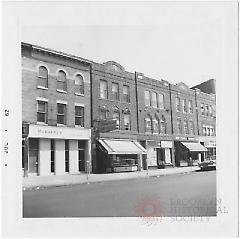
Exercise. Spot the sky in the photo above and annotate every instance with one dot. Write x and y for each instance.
(177, 42)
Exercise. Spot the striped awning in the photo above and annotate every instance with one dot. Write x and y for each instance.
(122, 146)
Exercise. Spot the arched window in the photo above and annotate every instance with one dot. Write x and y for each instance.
(148, 124)
(103, 112)
(79, 84)
(163, 128)
(185, 126)
(61, 81)
(155, 124)
(127, 119)
(116, 116)
(43, 77)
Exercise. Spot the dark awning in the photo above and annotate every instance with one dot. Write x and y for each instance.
(194, 147)
(122, 146)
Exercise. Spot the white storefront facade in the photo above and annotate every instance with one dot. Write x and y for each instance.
(54, 150)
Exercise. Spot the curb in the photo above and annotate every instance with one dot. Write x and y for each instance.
(42, 187)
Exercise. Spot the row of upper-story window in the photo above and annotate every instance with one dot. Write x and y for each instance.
(116, 115)
(206, 109)
(42, 113)
(208, 130)
(42, 80)
(187, 106)
(185, 127)
(115, 94)
(153, 99)
(155, 125)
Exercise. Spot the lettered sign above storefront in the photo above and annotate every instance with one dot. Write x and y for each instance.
(53, 132)
(166, 144)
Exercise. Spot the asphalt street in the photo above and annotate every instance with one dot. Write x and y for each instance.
(192, 194)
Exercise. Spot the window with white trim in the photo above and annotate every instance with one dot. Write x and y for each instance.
(115, 91)
(79, 115)
(42, 77)
(184, 105)
(190, 106)
(116, 116)
(179, 126)
(177, 104)
(154, 100)
(155, 124)
(185, 126)
(160, 101)
(103, 89)
(127, 119)
(126, 93)
(61, 81)
(148, 124)
(191, 127)
(61, 113)
(163, 126)
(79, 84)
(147, 98)
(42, 111)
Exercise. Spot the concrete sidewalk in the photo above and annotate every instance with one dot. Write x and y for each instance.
(37, 182)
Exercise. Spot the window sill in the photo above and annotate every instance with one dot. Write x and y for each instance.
(42, 87)
(62, 91)
(79, 94)
(41, 123)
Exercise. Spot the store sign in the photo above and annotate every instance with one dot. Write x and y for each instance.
(166, 144)
(53, 132)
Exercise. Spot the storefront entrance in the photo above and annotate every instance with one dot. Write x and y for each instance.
(33, 156)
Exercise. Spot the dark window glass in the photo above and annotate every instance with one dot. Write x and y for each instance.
(61, 114)
(79, 116)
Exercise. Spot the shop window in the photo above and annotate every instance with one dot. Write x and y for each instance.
(184, 105)
(147, 98)
(115, 91)
(42, 111)
(202, 109)
(163, 128)
(160, 101)
(190, 106)
(79, 84)
(52, 155)
(67, 155)
(43, 77)
(103, 89)
(126, 93)
(127, 119)
(62, 81)
(154, 100)
(61, 114)
(191, 127)
(177, 104)
(179, 126)
(155, 125)
(79, 116)
(185, 126)
(148, 124)
(116, 116)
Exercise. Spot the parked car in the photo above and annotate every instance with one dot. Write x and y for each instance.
(208, 165)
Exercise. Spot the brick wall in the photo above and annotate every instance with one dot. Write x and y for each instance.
(30, 91)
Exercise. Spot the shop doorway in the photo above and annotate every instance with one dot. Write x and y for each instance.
(160, 158)
(33, 156)
(81, 154)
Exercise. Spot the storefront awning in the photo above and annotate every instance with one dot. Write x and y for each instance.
(122, 146)
(194, 147)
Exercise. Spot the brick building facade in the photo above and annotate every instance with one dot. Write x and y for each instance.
(55, 112)
(64, 97)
